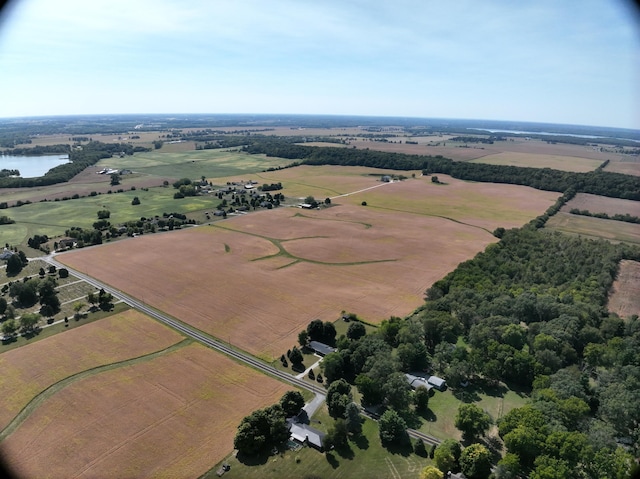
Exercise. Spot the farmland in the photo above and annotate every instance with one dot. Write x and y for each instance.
(595, 227)
(344, 254)
(192, 397)
(29, 370)
(602, 204)
(532, 160)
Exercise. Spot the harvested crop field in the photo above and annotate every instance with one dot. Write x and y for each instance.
(258, 279)
(595, 227)
(624, 167)
(624, 299)
(603, 204)
(173, 416)
(533, 160)
(29, 370)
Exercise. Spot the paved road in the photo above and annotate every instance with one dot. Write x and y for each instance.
(192, 332)
(224, 348)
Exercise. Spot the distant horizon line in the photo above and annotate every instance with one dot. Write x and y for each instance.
(404, 118)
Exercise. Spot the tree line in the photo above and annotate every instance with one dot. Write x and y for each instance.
(596, 182)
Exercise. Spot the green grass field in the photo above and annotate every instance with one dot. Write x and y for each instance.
(54, 217)
(364, 458)
(194, 164)
(595, 227)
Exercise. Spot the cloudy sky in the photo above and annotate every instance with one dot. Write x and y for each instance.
(570, 61)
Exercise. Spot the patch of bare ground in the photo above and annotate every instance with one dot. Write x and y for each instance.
(257, 280)
(603, 204)
(29, 370)
(173, 416)
(624, 299)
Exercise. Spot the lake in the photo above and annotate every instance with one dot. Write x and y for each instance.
(32, 166)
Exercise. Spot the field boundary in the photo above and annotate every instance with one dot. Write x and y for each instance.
(33, 404)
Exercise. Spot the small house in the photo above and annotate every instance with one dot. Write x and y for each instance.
(6, 253)
(321, 348)
(415, 382)
(307, 435)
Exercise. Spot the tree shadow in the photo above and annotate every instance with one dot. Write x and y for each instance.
(361, 441)
(494, 444)
(345, 451)
(332, 460)
(403, 449)
(428, 415)
(467, 395)
(255, 460)
(299, 368)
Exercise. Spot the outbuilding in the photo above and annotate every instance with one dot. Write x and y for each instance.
(438, 383)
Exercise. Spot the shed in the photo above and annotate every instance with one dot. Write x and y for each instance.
(321, 348)
(437, 382)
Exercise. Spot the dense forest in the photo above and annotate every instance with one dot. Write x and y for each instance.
(530, 311)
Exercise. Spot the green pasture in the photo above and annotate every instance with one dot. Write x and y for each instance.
(595, 227)
(54, 217)
(195, 164)
(363, 458)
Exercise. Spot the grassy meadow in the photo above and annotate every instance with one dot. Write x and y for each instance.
(595, 227)
(535, 160)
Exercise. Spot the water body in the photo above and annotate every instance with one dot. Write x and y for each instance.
(520, 132)
(32, 166)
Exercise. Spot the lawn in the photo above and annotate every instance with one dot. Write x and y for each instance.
(443, 407)
(364, 458)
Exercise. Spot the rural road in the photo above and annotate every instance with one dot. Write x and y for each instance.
(319, 391)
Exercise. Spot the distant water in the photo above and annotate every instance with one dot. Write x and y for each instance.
(520, 132)
(32, 166)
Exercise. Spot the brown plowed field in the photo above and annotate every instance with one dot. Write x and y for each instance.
(173, 416)
(29, 370)
(624, 299)
(215, 279)
(603, 204)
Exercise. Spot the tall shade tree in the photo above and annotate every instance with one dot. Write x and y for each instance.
(472, 421)
(475, 461)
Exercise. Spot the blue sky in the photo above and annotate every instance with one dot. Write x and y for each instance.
(567, 61)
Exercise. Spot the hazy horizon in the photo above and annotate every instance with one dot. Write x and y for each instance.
(539, 62)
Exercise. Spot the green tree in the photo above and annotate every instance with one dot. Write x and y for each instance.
(115, 179)
(472, 421)
(550, 468)
(393, 429)
(419, 448)
(475, 461)
(303, 338)
(353, 418)
(431, 472)
(447, 455)
(77, 307)
(508, 467)
(135, 200)
(356, 330)
(10, 327)
(292, 402)
(29, 321)
(397, 392)
(14, 265)
(338, 398)
(526, 442)
(296, 356)
(333, 367)
(421, 398)
(3, 306)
